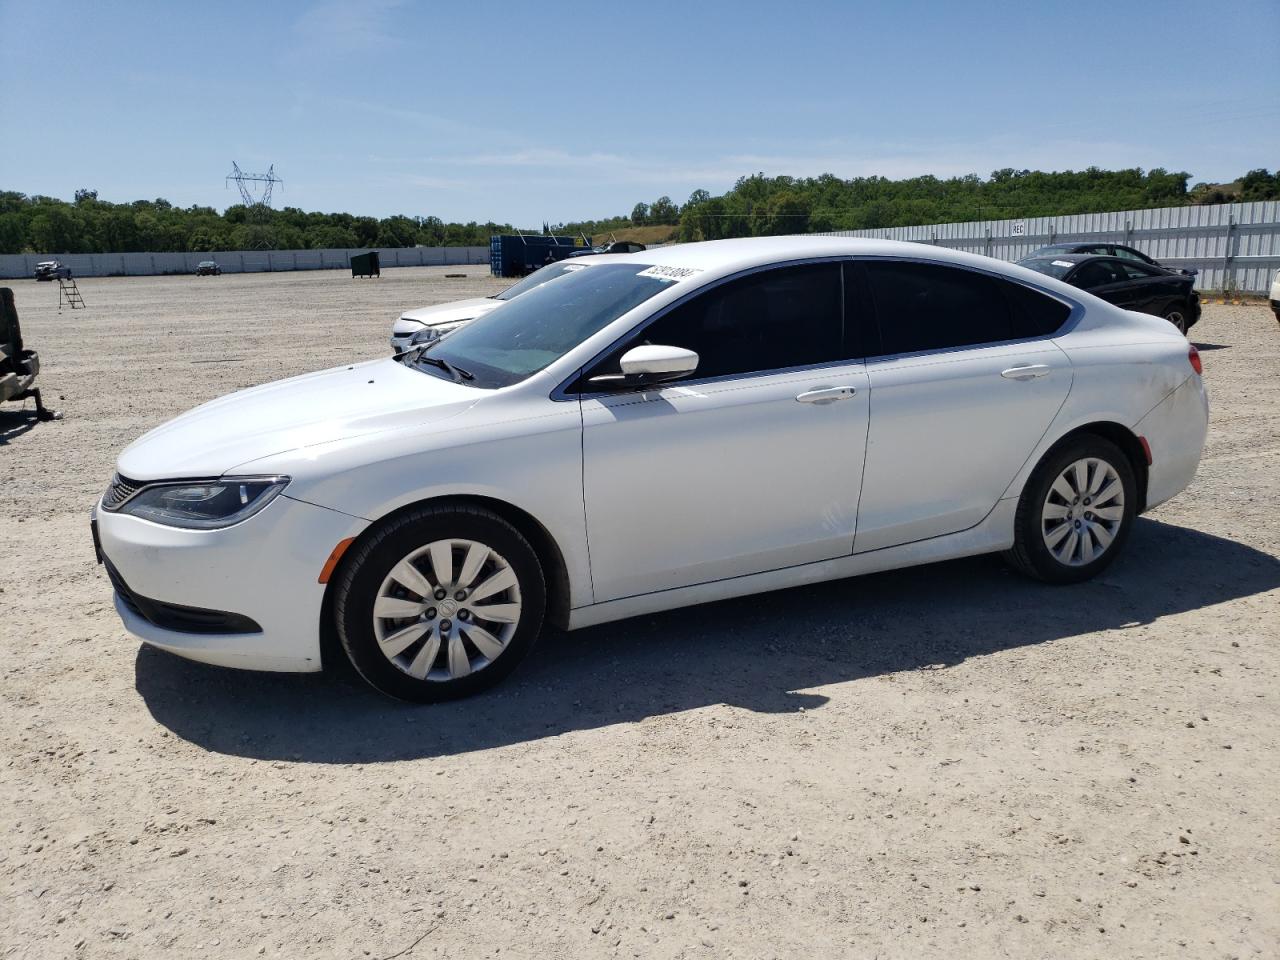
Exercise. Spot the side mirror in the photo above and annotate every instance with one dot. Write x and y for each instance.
(650, 364)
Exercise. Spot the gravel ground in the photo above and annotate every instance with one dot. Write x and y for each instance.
(946, 761)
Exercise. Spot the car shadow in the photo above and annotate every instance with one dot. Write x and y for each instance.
(1206, 347)
(755, 653)
(14, 423)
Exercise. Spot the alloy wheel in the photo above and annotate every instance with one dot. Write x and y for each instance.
(447, 610)
(1082, 512)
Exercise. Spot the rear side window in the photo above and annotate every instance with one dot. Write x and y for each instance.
(930, 307)
(1034, 314)
(926, 307)
(1136, 272)
(771, 320)
(1098, 273)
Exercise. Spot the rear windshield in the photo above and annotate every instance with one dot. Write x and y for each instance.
(1047, 265)
(534, 330)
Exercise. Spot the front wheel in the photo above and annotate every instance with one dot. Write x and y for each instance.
(1075, 511)
(439, 603)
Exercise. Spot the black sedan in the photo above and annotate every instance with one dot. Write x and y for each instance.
(1126, 283)
(1118, 250)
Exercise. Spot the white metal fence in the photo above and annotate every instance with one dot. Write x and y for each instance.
(236, 261)
(1234, 246)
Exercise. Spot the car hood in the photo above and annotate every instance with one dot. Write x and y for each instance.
(446, 313)
(304, 411)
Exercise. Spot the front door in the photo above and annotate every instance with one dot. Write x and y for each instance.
(751, 464)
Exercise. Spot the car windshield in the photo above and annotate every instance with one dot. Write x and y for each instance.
(1047, 265)
(538, 278)
(1055, 248)
(533, 331)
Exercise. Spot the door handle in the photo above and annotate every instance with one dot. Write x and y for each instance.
(1028, 371)
(826, 395)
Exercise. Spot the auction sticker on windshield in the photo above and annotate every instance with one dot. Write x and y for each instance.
(660, 272)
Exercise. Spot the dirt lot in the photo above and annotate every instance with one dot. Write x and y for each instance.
(947, 761)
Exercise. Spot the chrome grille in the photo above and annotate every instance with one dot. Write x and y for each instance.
(121, 489)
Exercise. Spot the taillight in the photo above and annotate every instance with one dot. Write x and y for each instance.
(1193, 355)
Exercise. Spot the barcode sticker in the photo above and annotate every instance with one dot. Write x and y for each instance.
(659, 272)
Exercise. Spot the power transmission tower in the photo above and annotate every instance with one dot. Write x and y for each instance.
(255, 188)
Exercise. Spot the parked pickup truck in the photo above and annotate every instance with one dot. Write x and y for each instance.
(19, 366)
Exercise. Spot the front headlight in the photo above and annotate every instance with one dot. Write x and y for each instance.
(204, 505)
(425, 335)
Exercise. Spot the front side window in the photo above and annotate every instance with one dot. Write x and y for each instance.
(771, 320)
(537, 328)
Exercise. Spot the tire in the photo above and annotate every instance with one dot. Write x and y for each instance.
(1177, 315)
(445, 646)
(1042, 549)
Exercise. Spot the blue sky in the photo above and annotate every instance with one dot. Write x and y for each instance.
(556, 111)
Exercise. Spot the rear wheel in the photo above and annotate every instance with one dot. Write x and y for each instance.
(1177, 315)
(440, 603)
(1075, 512)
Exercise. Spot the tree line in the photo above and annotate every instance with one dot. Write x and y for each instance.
(762, 206)
(757, 205)
(39, 224)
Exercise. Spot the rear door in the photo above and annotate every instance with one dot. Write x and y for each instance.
(1154, 289)
(964, 383)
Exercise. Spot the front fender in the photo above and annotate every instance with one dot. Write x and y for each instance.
(532, 462)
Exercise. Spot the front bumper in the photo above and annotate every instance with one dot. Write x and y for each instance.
(263, 570)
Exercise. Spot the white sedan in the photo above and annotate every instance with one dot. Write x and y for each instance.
(446, 317)
(662, 429)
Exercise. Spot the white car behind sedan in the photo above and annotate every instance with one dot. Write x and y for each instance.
(445, 317)
(660, 429)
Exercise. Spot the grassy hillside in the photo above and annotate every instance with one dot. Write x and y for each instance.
(650, 236)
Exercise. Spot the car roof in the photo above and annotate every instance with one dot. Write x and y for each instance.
(1069, 257)
(714, 256)
(717, 258)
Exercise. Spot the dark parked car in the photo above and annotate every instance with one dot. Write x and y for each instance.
(1117, 250)
(52, 270)
(1126, 283)
(618, 246)
(207, 268)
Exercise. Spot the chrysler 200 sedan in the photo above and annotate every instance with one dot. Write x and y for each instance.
(665, 428)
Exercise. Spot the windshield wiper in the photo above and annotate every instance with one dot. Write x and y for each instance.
(457, 373)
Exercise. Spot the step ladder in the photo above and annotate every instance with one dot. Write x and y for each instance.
(69, 294)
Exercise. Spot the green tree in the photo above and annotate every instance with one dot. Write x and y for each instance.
(663, 211)
(12, 233)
